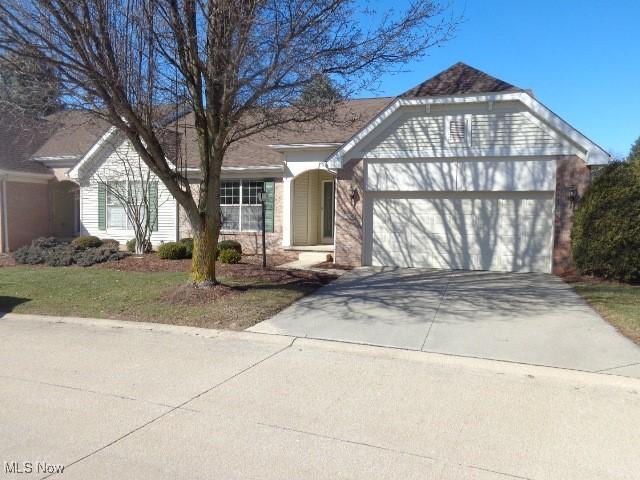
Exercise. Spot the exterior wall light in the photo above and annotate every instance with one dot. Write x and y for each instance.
(572, 195)
(353, 192)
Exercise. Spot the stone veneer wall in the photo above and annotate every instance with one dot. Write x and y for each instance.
(349, 233)
(251, 241)
(571, 171)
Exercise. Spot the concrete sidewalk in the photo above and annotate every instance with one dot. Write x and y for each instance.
(123, 400)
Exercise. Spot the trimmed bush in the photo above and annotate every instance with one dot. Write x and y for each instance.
(606, 230)
(230, 244)
(172, 251)
(188, 243)
(111, 243)
(47, 242)
(60, 256)
(91, 256)
(86, 242)
(229, 255)
(55, 253)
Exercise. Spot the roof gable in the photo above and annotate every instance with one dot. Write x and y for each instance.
(459, 79)
(592, 153)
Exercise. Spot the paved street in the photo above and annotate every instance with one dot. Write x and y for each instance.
(137, 401)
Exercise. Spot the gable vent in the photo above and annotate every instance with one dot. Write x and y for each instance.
(458, 130)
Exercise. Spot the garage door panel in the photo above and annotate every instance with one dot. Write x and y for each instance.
(504, 232)
(511, 263)
(526, 245)
(527, 207)
(525, 226)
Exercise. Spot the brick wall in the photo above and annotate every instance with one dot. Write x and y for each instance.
(349, 233)
(571, 171)
(251, 241)
(28, 212)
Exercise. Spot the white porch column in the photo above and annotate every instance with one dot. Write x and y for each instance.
(287, 184)
(295, 163)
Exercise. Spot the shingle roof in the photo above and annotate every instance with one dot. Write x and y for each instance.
(459, 79)
(74, 133)
(351, 116)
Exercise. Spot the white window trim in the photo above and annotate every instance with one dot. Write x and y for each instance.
(467, 130)
(240, 205)
(128, 226)
(107, 206)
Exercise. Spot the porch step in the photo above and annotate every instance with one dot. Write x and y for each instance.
(310, 248)
(312, 258)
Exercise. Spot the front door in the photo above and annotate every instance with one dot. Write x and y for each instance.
(327, 211)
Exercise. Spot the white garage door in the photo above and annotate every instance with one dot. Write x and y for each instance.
(493, 231)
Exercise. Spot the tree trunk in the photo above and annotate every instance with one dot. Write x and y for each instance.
(203, 261)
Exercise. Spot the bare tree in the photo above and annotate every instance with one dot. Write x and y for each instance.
(28, 85)
(130, 186)
(239, 66)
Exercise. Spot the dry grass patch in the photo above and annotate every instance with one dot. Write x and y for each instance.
(619, 303)
(246, 297)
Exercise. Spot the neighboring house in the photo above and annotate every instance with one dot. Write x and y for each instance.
(36, 196)
(463, 171)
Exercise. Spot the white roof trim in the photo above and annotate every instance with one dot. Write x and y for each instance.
(304, 146)
(594, 153)
(464, 152)
(18, 173)
(274, 168)
(56, 158)
(74, 173)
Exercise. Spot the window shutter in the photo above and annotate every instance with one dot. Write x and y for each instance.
(102, 206)
(153, 206)
(269, 188)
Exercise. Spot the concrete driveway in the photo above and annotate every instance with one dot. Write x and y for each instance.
(120, 400)
(528, 318)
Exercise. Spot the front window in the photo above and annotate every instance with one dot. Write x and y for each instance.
(117, 217)
(116, 211)
(239, 205)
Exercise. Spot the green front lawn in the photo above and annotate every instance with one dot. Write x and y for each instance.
(145, 296)
(618, 303)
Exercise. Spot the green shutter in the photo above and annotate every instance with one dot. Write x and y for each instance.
(102, 206)
(269, 187)
(153, 206)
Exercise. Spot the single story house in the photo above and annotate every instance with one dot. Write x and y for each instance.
(463, 171)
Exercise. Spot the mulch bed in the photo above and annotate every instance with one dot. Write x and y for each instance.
(250, 268)
(149, 262)
(250, 265)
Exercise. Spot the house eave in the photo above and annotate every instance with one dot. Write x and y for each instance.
(9, 174)
(263, 170)
(285, 147)
(61, 161)
(591, 152)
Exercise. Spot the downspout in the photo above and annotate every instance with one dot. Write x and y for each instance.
(3, 214)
